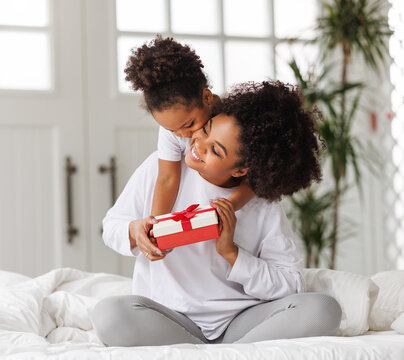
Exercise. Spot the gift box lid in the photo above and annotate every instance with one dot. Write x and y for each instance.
(170, 226)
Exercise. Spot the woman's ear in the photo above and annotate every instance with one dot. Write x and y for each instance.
(207, 97)
(239, 172)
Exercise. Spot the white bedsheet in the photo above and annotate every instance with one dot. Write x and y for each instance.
(48, 317)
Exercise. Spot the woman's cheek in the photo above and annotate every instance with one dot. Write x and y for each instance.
(214, 166)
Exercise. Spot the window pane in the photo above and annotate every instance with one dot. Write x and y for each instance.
(246, 18)
(141, 15)
(125, 44)
(295, 18)
(24, 12)
(25, 61)
(194, 16)
(305, 56)
(247, 61)
(210, 54)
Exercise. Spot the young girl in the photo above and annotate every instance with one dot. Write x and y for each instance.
(176, 93)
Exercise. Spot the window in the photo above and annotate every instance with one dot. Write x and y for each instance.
(25, 61)
(237, 40)
(395, 169)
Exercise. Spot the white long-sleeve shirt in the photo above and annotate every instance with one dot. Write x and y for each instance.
(194, 279)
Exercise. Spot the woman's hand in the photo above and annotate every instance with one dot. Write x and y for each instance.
(224, 244)
(139, 236)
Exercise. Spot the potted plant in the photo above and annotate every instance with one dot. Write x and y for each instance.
(351, 27)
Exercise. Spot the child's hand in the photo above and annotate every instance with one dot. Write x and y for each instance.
(139, 230)
(224, 244)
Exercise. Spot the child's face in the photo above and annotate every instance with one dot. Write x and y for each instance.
(182, 121)
(214, 151)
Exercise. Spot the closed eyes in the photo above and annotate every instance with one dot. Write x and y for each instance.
(213, 150)
(213, 147)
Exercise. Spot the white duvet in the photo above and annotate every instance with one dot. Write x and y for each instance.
(48, 317)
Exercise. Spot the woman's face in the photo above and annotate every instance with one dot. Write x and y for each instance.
(181, 120)
(214, 151)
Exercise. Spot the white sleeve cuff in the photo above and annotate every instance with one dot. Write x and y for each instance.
(123, 247)
(239, 270)
(166, 157)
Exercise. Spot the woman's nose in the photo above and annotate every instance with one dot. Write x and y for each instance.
(201, 146)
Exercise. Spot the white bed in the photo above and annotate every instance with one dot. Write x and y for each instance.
(48, 317)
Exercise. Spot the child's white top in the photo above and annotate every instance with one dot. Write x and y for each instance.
(194, 279)
(171, 147)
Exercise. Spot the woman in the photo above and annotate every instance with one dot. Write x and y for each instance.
(246, 285)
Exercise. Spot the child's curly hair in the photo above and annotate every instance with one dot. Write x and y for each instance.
(279, 140)
(168, 73)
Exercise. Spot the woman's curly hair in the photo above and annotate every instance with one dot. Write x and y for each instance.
(279, 139)
(168, 73)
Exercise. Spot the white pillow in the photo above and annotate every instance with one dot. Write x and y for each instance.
(398, 324)
(355, 293)
(390, 301)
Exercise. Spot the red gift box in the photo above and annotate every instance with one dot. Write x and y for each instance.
(194, 224)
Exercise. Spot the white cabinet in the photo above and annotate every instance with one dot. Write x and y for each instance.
(84, 119)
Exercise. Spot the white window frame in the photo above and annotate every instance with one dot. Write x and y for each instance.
(49, 30)
(271, 39)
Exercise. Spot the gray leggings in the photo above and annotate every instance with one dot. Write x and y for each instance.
(139, 321)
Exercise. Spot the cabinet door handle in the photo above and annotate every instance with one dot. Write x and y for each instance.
(111, 169)
(71, 169)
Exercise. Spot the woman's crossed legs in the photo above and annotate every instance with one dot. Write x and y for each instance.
(138, 321)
